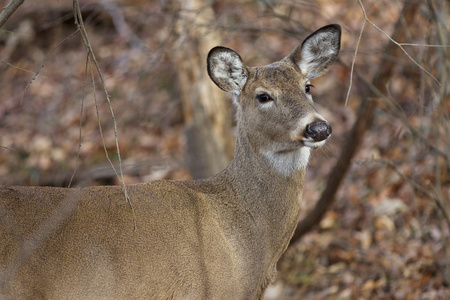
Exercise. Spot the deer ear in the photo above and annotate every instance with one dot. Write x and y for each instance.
(318, 51)
(226, 69)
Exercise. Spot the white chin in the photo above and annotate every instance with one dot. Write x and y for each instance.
(313, 145)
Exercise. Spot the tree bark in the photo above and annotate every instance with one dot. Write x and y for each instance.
(206, 110)
(8, 11)
(354, 138)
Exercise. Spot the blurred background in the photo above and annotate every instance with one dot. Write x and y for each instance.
(377, 195)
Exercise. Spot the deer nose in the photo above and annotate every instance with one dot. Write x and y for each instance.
(318, 131)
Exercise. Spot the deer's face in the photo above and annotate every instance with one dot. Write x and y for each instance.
(278, 110)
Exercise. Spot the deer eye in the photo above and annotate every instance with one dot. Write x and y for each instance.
(264, 98)
(308, 88)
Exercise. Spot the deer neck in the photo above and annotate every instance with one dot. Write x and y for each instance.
(270, 204)
(272, 197)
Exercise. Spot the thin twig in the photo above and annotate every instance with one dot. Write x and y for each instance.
(396, 43)
(81, 123)
(16, 67)
(7, 148)
(423, 45)
(9, 9)
(97, 111)
(36, 74)
(400, 114)
(91, 56)
(353, 62)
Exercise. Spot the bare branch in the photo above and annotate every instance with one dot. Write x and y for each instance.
(389, 101)
(423, 45)
(353, 62)
(396, 43)
(16, 67)
(36, 74)
(81, 126)
(91, 57)
(9, 9)
(7, 148)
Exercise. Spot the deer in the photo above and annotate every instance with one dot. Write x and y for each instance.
(214, 238)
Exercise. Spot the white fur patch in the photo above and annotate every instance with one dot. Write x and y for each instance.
(266, 106)
(301, 125)
(229, 68)
(316, 54)
(290, 161)
(235, 98)
(287, 161)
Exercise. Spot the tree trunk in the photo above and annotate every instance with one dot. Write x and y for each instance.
(206, 110)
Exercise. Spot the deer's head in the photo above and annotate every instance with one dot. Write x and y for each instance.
(276, 113)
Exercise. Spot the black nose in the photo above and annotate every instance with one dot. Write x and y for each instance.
(318, 131)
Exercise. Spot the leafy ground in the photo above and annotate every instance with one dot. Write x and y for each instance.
(386, 236)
